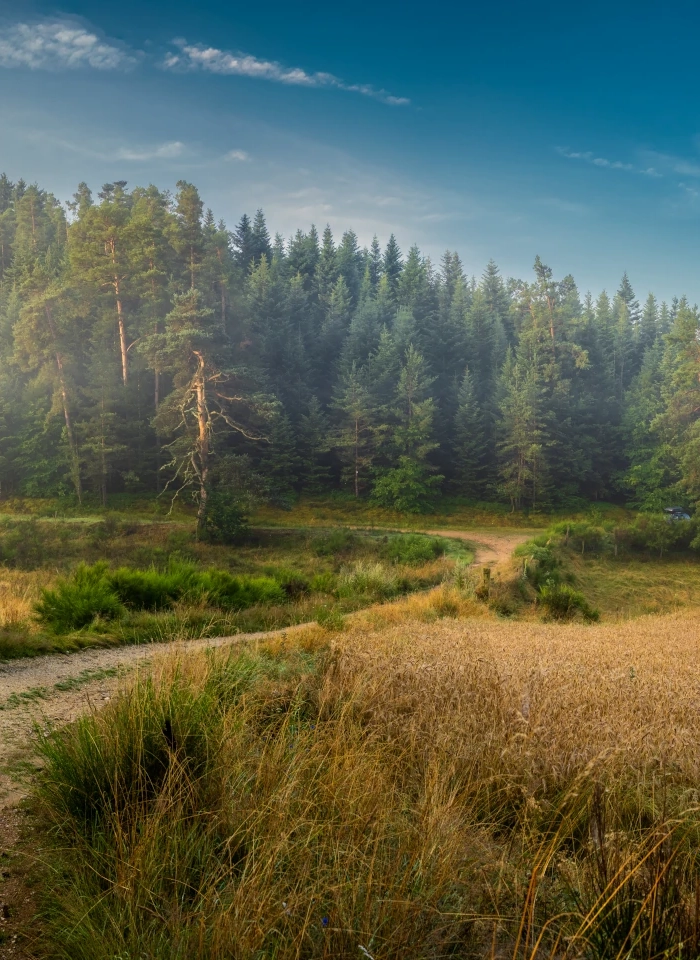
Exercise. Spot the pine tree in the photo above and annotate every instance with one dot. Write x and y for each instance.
(391, 267)
(209, 397)
(260, 239)
(314, 447)
(411, 484)
(469, 443)
(242, 241)
(356, 442)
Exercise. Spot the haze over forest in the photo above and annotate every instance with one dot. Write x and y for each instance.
(147, 345)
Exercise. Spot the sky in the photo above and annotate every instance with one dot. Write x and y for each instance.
(506, 131)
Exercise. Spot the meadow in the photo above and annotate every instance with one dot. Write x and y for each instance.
(455, 788)
(446, 760)
(70, 583)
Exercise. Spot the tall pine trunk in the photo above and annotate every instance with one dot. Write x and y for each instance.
(202, 444)
(72, 444)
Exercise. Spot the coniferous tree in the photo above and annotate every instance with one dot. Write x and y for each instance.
(469, 443)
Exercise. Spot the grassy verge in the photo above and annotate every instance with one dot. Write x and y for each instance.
(147, 583)
(422, 791)
(449, 513)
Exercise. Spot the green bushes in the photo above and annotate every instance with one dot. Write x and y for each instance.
(74, 604)
(98, 592)
(562, 602)
(223, 590)
(412, 549)
(334, 543)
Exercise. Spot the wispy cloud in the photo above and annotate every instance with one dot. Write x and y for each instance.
(588, 156)
(165, 151)
(106, 150)
(58, 45)
(199, 57)
(673, 164)
(240, 155)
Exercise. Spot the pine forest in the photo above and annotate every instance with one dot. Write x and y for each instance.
(148, 348)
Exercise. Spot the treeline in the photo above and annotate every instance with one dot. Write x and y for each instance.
(145, 347)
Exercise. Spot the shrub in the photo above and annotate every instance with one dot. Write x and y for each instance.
(323, 583)
(409, 488)
(412, 549)
(562, 602)
(225, 521)
(334, 543)
(74, 604)
(236, 593)
(145, 589)
(367, 579)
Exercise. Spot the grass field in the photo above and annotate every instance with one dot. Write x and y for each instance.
(430, 789)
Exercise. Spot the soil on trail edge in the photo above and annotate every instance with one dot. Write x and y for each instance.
(490, 548)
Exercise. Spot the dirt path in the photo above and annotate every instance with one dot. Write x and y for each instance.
(491, 548)
(56, 689)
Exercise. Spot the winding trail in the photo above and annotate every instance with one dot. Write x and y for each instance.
(58, 688)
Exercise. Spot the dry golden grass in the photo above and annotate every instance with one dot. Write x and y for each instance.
(425, 788)
(19, 590)
(623, 694)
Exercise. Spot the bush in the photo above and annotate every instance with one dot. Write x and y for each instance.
(412, 549)
(562, 602)
(323, 583)
(74, 604)
(223, 590)
(225, 521)
(409, 488)
(145, 589)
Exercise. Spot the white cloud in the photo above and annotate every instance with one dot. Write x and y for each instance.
(57, 45)
(199, 57)
(165, 151)
(237, 155)
(588, 157)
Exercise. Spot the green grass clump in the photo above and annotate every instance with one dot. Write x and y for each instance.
(562, 602)
(368, 579)
(98, 592)
(74, 604)
(335, 542)
(412, 549)
(223, 590)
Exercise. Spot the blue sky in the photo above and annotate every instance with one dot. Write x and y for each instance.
(500, 131)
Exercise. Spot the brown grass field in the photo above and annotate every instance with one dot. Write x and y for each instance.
(429, 788)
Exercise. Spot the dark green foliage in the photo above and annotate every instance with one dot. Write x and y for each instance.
(223, 590)
(335, 543)
(323, 365)
(408, 488)
(412, 549)
(98, 591)
(562, 602)
(74, 604)
(226, 522)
